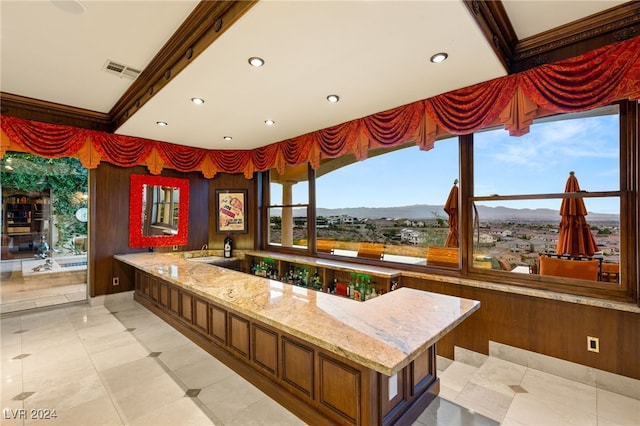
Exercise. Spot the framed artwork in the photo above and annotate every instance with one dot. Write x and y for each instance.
(231, 208)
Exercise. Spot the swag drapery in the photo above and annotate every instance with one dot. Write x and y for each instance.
(588, 81)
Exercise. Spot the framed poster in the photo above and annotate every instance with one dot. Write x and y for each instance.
(231, 208)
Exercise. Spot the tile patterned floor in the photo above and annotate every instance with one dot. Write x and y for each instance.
(119, 364)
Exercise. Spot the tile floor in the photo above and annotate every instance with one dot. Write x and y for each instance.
(118, 364)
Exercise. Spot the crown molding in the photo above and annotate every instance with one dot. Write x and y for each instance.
(575, 38)
(49, 112)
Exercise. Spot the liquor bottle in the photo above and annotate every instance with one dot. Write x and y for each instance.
(228, 246)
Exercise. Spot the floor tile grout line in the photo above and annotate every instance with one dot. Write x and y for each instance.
(115, 404)
(203, 407)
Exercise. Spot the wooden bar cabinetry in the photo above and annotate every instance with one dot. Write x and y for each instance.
(320, 387)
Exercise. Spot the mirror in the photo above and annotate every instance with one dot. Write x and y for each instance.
(159, 211)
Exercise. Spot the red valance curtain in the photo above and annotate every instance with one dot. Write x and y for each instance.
(594, 79)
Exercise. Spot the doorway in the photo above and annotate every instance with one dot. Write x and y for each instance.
(43, 256)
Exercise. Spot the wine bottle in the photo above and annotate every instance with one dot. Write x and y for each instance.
(228, 246)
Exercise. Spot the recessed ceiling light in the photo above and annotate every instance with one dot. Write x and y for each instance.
(439, 57)
(197, 101)
(162, 123)
(227, 138)
(256, 62)
(333, 98)
(269, 122)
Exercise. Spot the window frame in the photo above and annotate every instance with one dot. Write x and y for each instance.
(628, 193)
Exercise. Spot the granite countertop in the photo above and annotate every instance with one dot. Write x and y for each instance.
(384, 333)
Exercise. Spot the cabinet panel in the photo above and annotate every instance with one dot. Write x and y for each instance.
(146, 287)
(392, 390)
(218, 324)
(186, 307)
(200, 312)
(297, 366)
(153, 288)
(265, 349)
(239, 335)
(138, 280)
(340, 388)
(174, 301)
(163, 298)
(421, 369)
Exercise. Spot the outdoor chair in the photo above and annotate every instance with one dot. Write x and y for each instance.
(569, 268)
(443, 256)
(610, 272)
(371, 251)
(324, 245)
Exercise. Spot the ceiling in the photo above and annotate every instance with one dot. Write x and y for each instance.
(373, 54)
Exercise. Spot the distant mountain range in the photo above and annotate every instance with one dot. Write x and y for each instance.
(427, 211)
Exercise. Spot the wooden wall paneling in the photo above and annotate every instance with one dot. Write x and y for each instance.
(550, 327)
(264, 347)
(339, 388)
(201, 314)
(109, 195)
(218, 324)
(186, 307)
(298, 366)
(239, 339)
(229, 181)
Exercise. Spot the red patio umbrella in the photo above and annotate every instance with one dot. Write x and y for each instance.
(451, 208)
(574, 236)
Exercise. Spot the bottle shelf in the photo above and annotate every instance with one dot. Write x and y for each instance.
(334, 277)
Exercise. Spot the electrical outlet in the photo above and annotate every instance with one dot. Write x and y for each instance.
(593, 344)
(115, 281)
(175, 248)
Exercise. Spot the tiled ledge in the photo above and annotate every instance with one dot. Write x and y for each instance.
(526, 291)
(506, 288)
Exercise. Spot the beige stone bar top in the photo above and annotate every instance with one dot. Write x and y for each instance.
(384, 333)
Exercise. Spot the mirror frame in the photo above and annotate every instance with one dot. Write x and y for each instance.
(136, 236)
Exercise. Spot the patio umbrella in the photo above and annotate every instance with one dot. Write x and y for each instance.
(574, 236)
(451, 208)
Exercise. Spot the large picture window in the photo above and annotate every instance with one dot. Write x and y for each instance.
(553, 209)
(389, 207)
(548, 203)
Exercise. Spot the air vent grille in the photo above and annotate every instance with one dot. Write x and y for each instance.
(121, 70)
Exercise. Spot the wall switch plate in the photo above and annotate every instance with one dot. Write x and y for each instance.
(593, 344)
(115, 281)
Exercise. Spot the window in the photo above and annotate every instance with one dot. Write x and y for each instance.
(525, 222)
(288, 208)
(388, 207)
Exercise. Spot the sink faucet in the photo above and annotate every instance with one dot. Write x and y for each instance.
(203, 248)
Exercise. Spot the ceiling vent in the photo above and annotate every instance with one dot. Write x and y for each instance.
(121, 70)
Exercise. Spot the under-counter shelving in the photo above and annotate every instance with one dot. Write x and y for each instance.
(324, 275)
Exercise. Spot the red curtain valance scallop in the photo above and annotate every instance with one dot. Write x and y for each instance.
(594, 79)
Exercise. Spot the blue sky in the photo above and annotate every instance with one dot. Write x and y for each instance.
(538, 162)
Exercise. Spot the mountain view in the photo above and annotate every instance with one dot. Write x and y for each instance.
(428, 211)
